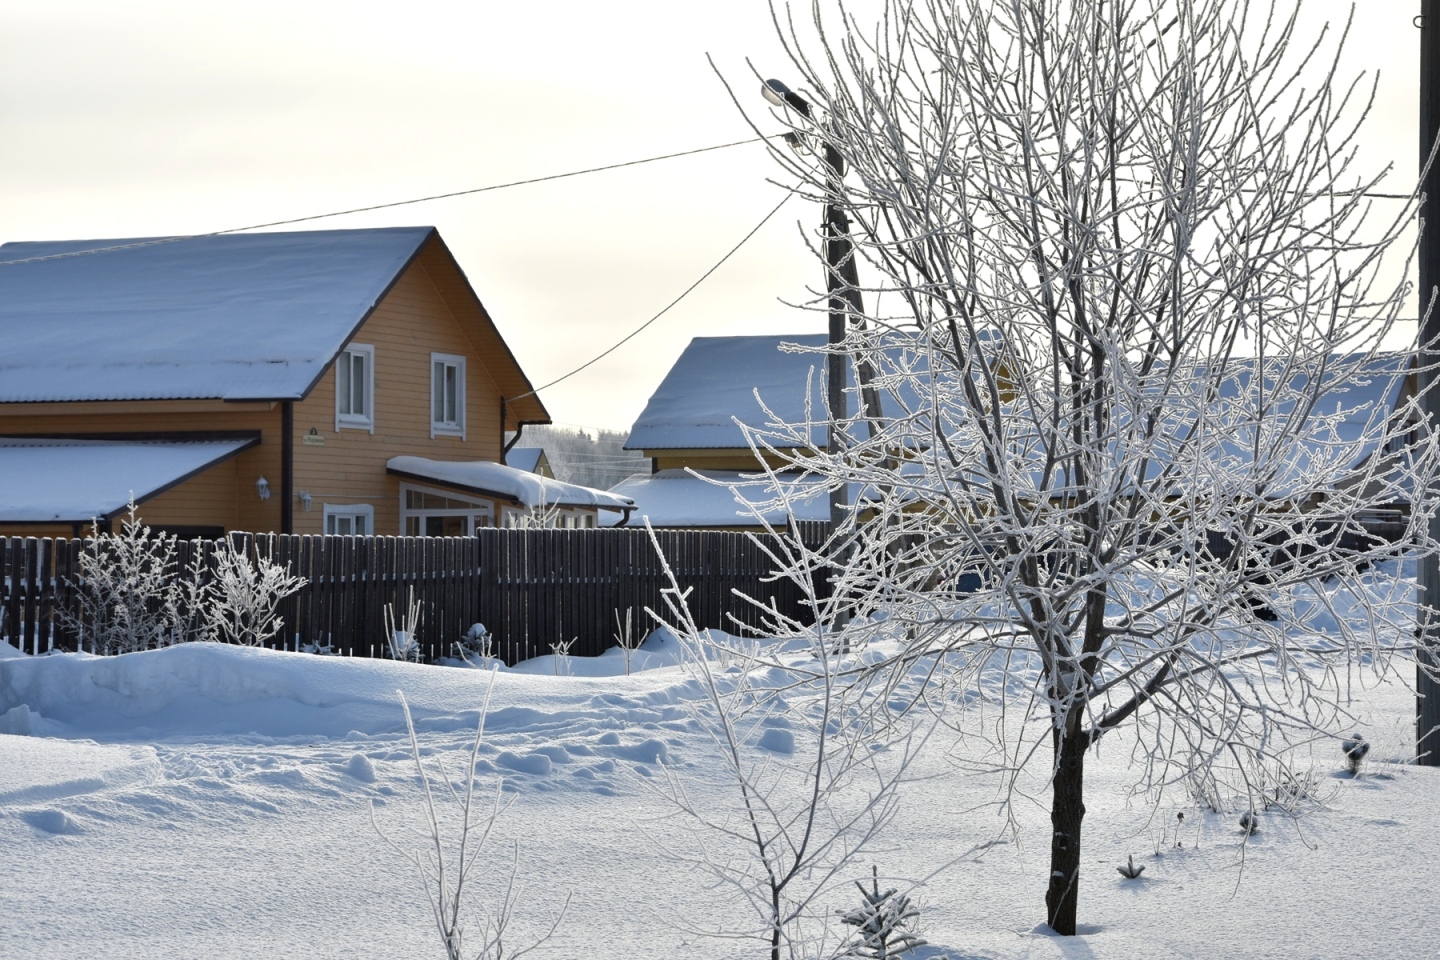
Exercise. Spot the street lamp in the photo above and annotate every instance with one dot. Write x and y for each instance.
(841, 278)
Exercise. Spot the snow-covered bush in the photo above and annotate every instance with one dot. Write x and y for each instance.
(1355, 748)
(133, 596)
(126, 598)
(476, 647)
(241, 600)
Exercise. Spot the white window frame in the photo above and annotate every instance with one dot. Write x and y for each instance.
(354, 511)
(355, 421)
(441, 427)
(477, 507)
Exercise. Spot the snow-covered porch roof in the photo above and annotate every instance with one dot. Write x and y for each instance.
(505, 483)
(76, 481)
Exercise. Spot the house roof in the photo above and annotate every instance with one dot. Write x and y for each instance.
(255, 316)
(505, 483)
(524, 458)
(715, 380)
(720, 498)
(75, 481)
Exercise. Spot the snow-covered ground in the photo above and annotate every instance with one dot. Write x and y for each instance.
(214, 801)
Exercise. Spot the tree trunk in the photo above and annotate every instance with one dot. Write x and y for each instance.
(1067, 811)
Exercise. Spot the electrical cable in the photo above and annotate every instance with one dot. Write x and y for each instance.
(666, 309)
(378, 206)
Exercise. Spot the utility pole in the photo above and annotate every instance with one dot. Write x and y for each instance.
(1427, 691)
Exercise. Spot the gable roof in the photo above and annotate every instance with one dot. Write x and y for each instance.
(255, 316)
(714, 381)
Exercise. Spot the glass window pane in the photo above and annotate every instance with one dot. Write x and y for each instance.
(357, 388)
(452, 412)
(360, 530)
(437, 393)
(342, 386)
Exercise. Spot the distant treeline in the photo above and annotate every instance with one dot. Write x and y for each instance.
(592, 460)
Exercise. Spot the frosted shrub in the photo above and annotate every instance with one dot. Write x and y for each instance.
(126, 602)
(477, 647)
(403, 634)
(241, 600)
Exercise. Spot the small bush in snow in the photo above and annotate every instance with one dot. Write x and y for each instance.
(1130, 871)
(126, 600)
(403, 634)
(476, 647)
(242, 598)
(1355, 748)
(881, 923)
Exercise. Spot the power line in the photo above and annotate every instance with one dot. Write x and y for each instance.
(666, 309)
(381, 206)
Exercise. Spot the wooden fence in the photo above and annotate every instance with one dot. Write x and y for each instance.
(531, 588)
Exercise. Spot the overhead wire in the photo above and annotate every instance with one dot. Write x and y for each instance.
(155, 241)
(664, 310)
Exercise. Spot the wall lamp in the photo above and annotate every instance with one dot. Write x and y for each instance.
(262, 487)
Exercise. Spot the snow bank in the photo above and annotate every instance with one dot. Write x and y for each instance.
(207, 690)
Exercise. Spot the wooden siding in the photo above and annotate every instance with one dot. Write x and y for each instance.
(408, 325)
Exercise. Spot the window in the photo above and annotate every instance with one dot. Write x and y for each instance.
(350, 519)
(355, 387)
(431, 513)
(447, 395)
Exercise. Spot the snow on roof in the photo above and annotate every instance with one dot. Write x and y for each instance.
(75, 481)
(507, 483)
(714, 382)
(524, 458)
(719, 498)
(239, 317)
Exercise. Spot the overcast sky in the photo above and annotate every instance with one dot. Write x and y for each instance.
(149, 118)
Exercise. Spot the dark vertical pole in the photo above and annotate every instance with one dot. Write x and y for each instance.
(287, 466)
(1427, 740)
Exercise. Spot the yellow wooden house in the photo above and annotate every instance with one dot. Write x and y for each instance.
(340, 381)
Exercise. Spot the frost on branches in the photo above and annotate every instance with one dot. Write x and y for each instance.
(1140, 397)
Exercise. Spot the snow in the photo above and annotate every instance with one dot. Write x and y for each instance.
(216, 800)
(239, 317)
(716, 498)
(524, 458)
(75, 481)
(714, 382)
(496, 479)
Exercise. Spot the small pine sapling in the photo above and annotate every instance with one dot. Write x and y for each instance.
(1355, 748)
(1130, 871)
(880, 922)
(476, 647)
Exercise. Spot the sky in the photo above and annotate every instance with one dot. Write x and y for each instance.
(159, 118)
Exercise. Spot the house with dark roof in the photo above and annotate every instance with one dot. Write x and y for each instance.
(336, 381)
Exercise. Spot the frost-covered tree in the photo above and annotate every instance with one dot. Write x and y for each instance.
(1133, 336)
